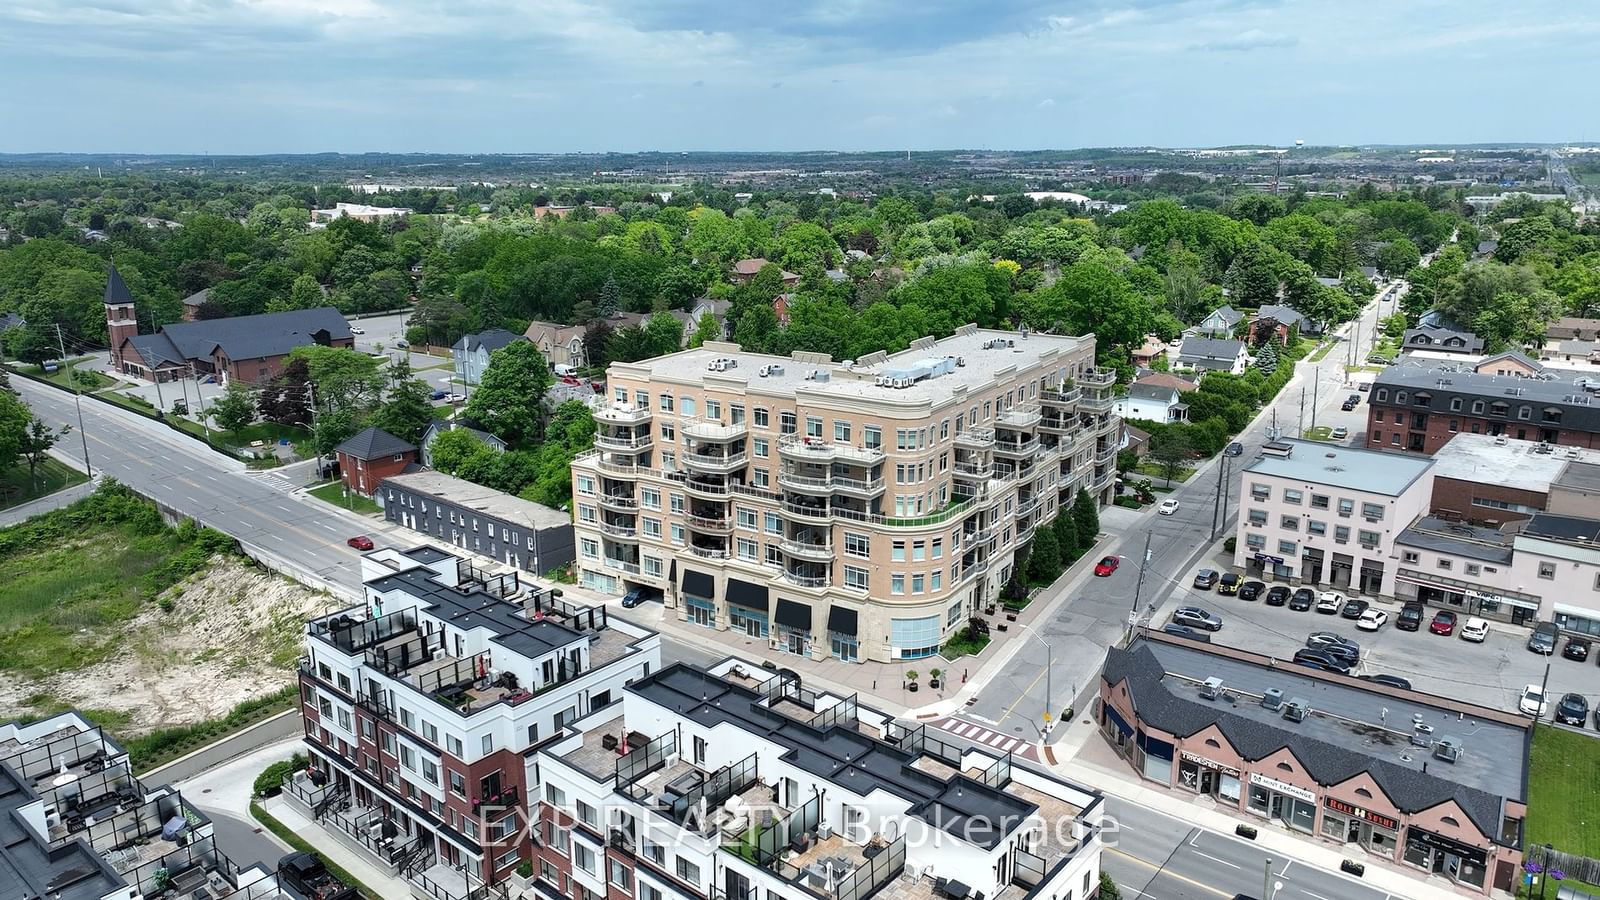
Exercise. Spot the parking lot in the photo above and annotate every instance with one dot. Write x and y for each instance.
(1492, 673)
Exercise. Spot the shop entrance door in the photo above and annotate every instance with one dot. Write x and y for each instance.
(1208, 781)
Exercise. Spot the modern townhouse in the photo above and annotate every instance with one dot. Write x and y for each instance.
(517, 532)
(76, 824)
(1418, 408)
(860, 510)
(738, 783)
(421, 704)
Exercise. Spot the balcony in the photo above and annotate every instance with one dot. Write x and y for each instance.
(1025, 415)
(819, 513)
(1062, 425)
(628, 470)
(627, 443)
(1016, 449)
(807, 550)
(1105, 456)
(805, 580)
(1065, 397)
(617, 501)
(621, 565)
(805, 484)
(628, 532)
(622, 414)
(812, 449)
(974, 471)
(976, 438)
(711, 430)
(714, 462)
(705, 552)
(710, 489)
(1099, 377)
(710, 524)
(1096, 404)
(1025, 507)
(1108, 425)
(869, 487)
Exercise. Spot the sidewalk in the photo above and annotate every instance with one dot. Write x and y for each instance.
(334, 849)
(64, 497)
(1096, 765)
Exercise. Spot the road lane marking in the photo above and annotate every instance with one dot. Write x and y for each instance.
(1199, 852)
(1161, 870)
(1023, 696)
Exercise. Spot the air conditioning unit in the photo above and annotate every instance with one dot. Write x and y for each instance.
(1295, 710)
(961, 361)
(1211, 688)
(1272, 698)
(1447, 749)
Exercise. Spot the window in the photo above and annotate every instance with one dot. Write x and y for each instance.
(1369, 539)
(677, 533)
(585, 486)
(649, 498)
(652, 565)
(787, 423)
(897, 584)
(1410, 556)
(736, 413)
(1472, 569)
(430, 771)
(1547, 571)
(488, 744)
(666, 403)
(652, 527)
(714, 409)
(583, 857)
(458, 784)
(1319, 501)
(919, 551)
(897, 551)
(760, 447)
(1455, 425)
(1289, 523)
(1257, 517)
(1341, 534)
(1372, 511)
(1255, 541)
(621, 876)
(1382, 395)
(1293, 498)
(872, 436)
(917, 582)
(857, 545)
(1445, 564)
(1455, 404)
(1288, 548)
(1346, 507)
(669, 431)
(1315, 527)
(762, 477)
(747, 549)
(687, 405)
(855, 577)
(675, 503)
(746, 517)
(814, 427)
(591, 548)
(687, 871)
(1260, 491)
(938, 548)
(762, 420)
(774, 525)
(586, 814)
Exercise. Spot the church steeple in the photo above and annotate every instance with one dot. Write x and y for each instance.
(117, 292)
(121, 321)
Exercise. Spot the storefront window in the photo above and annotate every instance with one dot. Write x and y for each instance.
(1259, 798)
(1335, 826)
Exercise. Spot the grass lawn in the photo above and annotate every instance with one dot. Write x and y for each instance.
(17, 488)
(79, 379)
(1363, 368)
(334, 492)
(1320, 352)
(137, 404)
(1319, 433)
(1558, 812)
(1153, 471)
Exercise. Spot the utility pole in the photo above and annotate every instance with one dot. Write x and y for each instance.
(1301, 427)
(201, 400)
(77, 401)
(1219, 509)
(1543, 685)
(1226, 495)
(1138, 587)
(1266, 881)
(155, 373)
(1315, 383)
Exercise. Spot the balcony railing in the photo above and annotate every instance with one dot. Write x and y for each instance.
(1016, 448)
(702, 429)
(1099, 377)
(1020, 416)
(1066, 396)
(622, 531)
(631, 568)
(973, 470)
(717, 462)
(807, 549)
(812, 448)
(808, 581)
(625, 443)
(626, 471)
(709, 523)
(709, 552)
(707, 488)
(618, 501)
(977, 438)
(623, 414)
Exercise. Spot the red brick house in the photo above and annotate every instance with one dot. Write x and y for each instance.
(746, 269)
(369, 457)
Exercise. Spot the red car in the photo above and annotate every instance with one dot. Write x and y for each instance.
(1106, 566)
(1444, 622)
(360, 542)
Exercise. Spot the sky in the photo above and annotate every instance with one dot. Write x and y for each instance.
(288, 76)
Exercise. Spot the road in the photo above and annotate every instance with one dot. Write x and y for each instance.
(1096, 613)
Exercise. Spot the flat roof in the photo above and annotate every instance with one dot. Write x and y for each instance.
(1523, 465)
(1349, 728)
(1457, 538)
(841, 755)
(1581, 473)
(1563, 528)
(980, 369)
(1315, 462)
(478, 608)
(490, 502)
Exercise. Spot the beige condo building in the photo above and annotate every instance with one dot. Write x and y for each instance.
(858, 510)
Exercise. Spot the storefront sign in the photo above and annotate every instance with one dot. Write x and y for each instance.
(1474, 855)
(1367, 814)
(1210, 764)
(1282, 787)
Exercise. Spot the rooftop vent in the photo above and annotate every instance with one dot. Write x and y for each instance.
(1272, 698)
(1295, 710)
(1211, 688)
(1447, 749)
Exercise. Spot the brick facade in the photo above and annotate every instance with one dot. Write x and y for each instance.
(1452, 497)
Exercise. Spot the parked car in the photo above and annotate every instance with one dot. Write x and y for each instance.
(1322, 640)
(1347, 406)
(357, 330)
(1372, 619)
(1330, 603)
(1474, 629)
(1195, 617)
(1185, 631)
(1106, 566)
(1354, 608)
(1302, 602)
(437, 395)
(1577, 649)
(1410, 618)
(1251, 590)
(1277, 595)
(402, 344)
(1394, 681)
(1167, 507)
(1205, 579)
(1353, 399)
(638, 595)
(1319, 659)
(1234, 449)
(360, 542)
(1543, 639)
(1572, 710)
(1228, 585)
(1532, 702)
(1444, 622)
(1306, 596)
(1339, 433)
(1364, 386)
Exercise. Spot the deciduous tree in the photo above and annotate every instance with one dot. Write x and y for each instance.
(509, 401)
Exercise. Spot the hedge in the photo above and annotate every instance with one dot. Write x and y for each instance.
(166, 744)
(270, 782)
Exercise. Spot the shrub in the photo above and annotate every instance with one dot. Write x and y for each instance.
(1230, 544)
(271, 779)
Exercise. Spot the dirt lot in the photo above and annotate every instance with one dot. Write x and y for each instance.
(227, 634)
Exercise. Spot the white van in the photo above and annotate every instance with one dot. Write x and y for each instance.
(565, 371)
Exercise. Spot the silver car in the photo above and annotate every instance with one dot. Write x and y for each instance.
(1195, 617)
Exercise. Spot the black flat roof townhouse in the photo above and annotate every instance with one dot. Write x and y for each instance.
(514, 531)
(1420, 408)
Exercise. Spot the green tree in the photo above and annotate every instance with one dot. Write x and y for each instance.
(1044, 560)
(509, 402)
(1251, 280)
(1066, 529)
(707, 329)
(452, 450)
(757, 329)
(34, 447)
(629, 344)
(665, 333)
(236, 408)
(610, 302)
(1398, 257)
(1267, 356)
(1091, 297)
(1170, 449)
(333, 428)
(342, 379)
(1108, 888)
(15, 423)
(407, 412)
(1086, 516)
(806, 245)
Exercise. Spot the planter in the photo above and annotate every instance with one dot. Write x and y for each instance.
(1245, 831)
(912, 687)
(933, 684)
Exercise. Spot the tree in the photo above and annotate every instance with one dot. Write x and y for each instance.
(286, 398)
(707, 329)
(1267, 356)
(236, 408)
(1398, 257)
(407, 412)
(37, 439)
(509, 402)
(333, 428)
(610, 302)
(1044, 560)
(629, 344)
(452, 450)
(1108, 888)
(665, 333)
(1171, 451)
(1091, 297)
(15, 419)
(1066, 529)
(305, 293)
(343, 379)
(1086, 516)
(1250, 280)
(757, 328)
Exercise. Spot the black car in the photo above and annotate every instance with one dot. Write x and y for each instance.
(1184, 631)
(1302, 600)
(1572, 710)
(1577, 649)
(1229, 585)
(1277, 595)
(1205, 579)
(1334, 644)
(1410, 618)
(1251, 590)
(1347, 405)
(1321, 659)
(1543, 639)
(1353, 608)
(1234, 449)
(637, 595)
(1353, 399)
(1394, 681)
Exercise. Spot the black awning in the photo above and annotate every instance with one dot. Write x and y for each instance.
(699, 584)
(743, 593)
(842, 619)
(794, 615)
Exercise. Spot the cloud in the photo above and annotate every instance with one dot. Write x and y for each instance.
(1254, 39)
(1047, 102)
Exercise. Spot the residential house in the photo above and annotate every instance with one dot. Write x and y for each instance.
(508, 529)
(1419, 409)
(1572, 328)
(1282, 319)
(746, 269)
(1583, 353)
(1168, 380)
(193, 302)
(1147, 352)
(437, 428)
(370, 456)
(472, 352)
(1135, 439)
(1213, 355)
(561, 345)
(1509, 362)
(1371, 274)
(1441, 340)
(1152, 403)
(1485, 249)
(1221, 323)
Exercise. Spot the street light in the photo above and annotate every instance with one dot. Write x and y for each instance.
(1049, 663)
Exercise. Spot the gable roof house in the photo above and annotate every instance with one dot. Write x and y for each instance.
(1213, 355)
(437, 428)
(1152, 402)
(746, 269)
(1286, 317)
(561, 345)
(1220, 323)
(472, 352)
(370, 456)
(1441, 340)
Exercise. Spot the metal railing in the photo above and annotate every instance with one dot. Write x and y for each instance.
(624, 531)
(817, 448)
(716, 460)
(811, 581)
(807, 549)
(976, 437)
(1023, 415)
(618, 501)
(621, 565)
(709, 523)
(615, 442)
(709, 552)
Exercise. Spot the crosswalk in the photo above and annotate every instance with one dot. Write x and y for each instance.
(988, 739)
(276, 482)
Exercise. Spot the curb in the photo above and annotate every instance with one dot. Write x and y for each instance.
(234, 753)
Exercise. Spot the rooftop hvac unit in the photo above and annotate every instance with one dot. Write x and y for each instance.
(1272, 698)
(961, 361)
(1421, 734)
(1295, 710)
(1447, 749)
(1211, 688)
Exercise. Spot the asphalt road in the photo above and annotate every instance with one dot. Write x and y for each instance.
(1097, 610)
